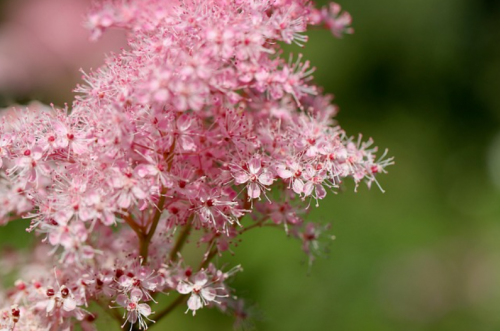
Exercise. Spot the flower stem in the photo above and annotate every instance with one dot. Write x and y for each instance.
(181, 240)
(146, 239)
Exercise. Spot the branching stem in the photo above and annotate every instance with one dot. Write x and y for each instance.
(146, 240)
(144, 249)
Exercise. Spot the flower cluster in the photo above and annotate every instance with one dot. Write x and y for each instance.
(196, 125)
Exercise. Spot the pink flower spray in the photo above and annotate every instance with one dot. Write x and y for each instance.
(198, 130)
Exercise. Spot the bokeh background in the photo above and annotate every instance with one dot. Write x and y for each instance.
(422, 77)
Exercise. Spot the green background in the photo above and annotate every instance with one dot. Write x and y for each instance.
(422, 78)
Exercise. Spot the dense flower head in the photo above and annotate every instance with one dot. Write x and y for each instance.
(197, 124)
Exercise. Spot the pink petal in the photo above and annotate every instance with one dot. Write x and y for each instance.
(36, 153)
(87, 252)
(60, 128)
(308, 188)
(196, 101)
(79, 148)
(61, 142)
(241, 177)
(54, 238)
(135, 295)
(124, 200)
(144, 170)
(266, 178)
(23, 161)
(184, 122)
(253, 190)
(283, 172)
(320, 191)
(254, 165)
(63, 216)
(132, 316)
(122, 300)
(298, 186)
(86, 213)
(187, 143)
(109, 218)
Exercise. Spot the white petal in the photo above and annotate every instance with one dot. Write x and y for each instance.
(139, 193)
(144, 309)
(200, 279)
(194, 303)
(69, 304)
(51, 305)
(184, 288)
(208, 293)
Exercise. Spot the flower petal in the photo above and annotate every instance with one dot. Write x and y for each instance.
(135, 295)
(241, 177)
(184, 288)
(194, 303)
(253, 190)
(208, 293)
(200, 279)
(298, 186)
(254, 165)
(144, 309)
(69, 304)
(266, 178)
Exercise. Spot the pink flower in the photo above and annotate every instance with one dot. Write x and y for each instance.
(135, 311)
(62, 299)
(255, 176)
(292, 170)
(30, 166)
(201, 293)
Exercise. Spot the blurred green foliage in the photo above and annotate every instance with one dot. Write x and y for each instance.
(422, 77)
